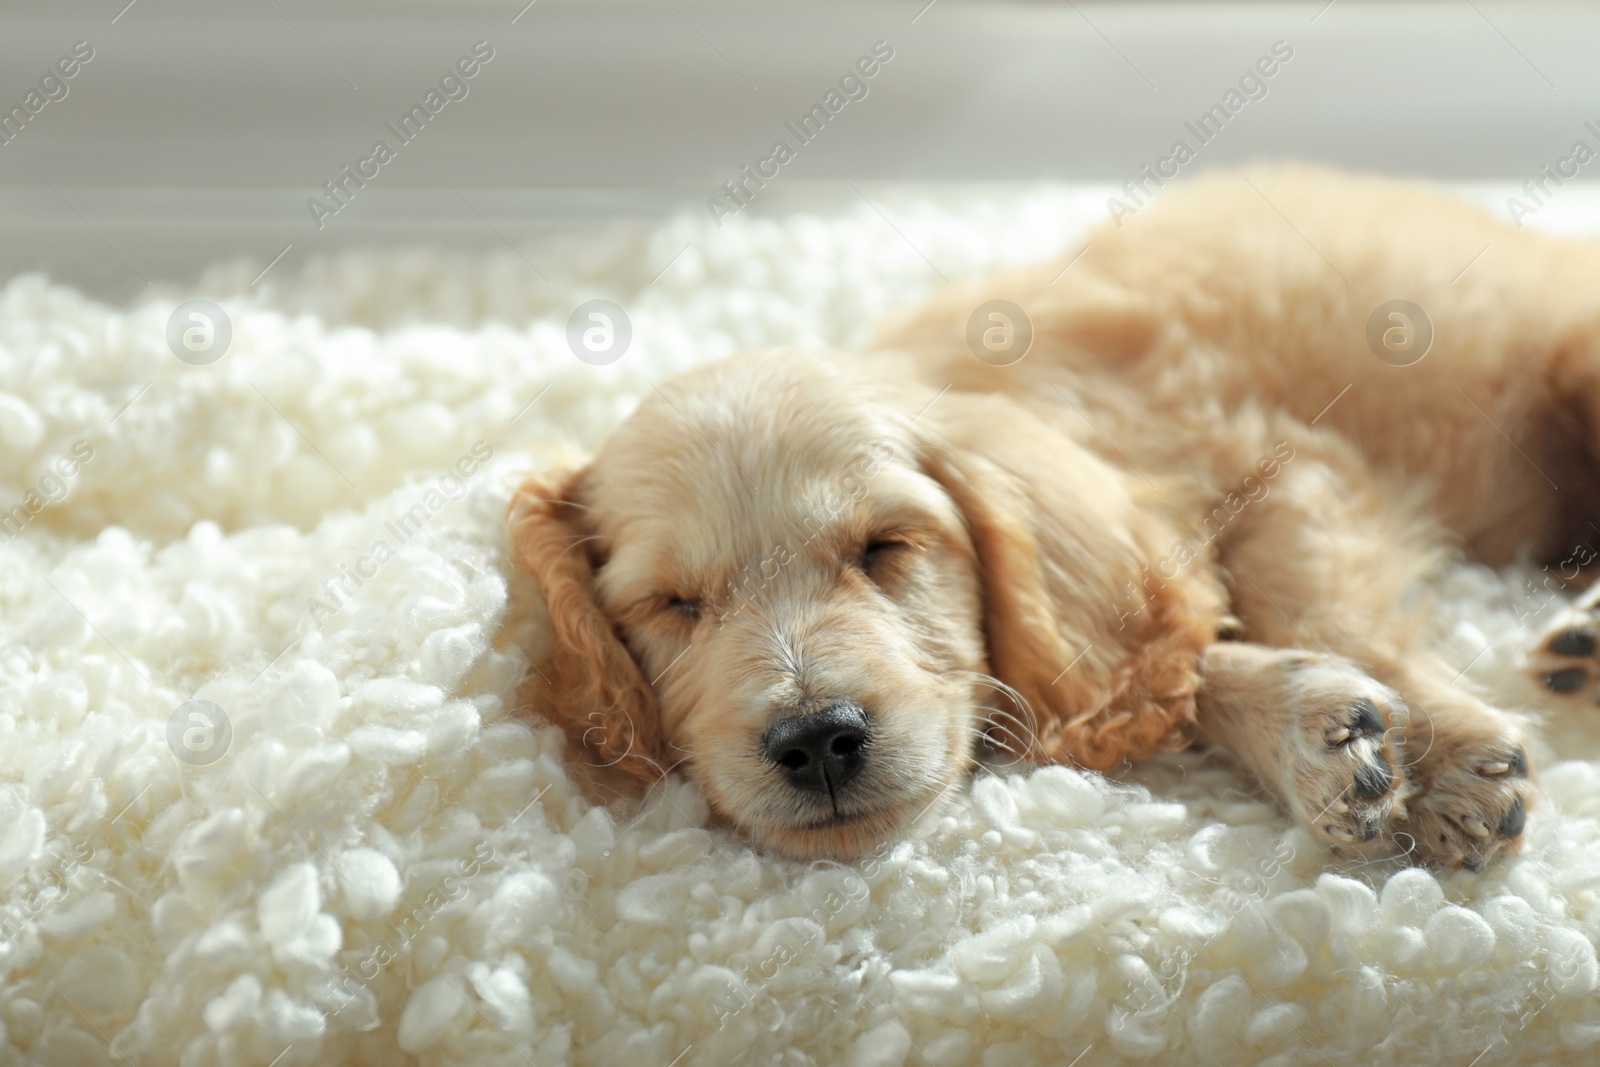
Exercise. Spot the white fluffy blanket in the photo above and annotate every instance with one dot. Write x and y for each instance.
(386, 862)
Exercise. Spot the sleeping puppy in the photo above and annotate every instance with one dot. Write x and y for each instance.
(1200, 502)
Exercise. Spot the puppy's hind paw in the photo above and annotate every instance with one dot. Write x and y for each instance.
(1472, 773)
(1345, 778)
(1566, 660)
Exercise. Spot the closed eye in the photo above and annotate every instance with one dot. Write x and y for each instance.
(878, 553)
(684, 607)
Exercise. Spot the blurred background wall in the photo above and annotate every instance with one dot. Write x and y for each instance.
(202, 130)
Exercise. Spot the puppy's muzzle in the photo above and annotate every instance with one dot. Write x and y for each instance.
(820, 752)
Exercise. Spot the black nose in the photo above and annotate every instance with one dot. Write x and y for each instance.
(822, 751)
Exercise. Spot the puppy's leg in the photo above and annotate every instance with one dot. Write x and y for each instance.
(1327, 561)
(1316, 729)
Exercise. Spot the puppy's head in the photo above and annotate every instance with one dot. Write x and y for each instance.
(780, 577)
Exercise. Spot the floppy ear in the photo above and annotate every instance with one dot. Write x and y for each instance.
(597, 693)
(1085, 613)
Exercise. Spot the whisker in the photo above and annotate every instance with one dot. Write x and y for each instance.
(576, 543)
(1012, 724)
(522, 507)
(1029, 720)
(1006, 750)
(997, 752)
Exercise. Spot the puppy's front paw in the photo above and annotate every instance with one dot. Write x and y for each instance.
(1566, 660)
(1345, 779)
(1473, 793)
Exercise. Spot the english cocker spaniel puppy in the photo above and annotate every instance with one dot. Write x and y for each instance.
(1186, 485)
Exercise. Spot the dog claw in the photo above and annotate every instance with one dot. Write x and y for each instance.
(1366, 721)
(1476, 827)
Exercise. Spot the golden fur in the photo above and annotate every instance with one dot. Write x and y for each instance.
(1195, 511)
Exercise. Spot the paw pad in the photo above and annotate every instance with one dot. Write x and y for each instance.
(1511, 825)
(1567, 680)
(1374, 779)
(1364, 721)
(1474, 809)
(1578, 643)
(1566, 661)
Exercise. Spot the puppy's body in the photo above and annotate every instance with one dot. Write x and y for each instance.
(1193, 511)
(1246, 298)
